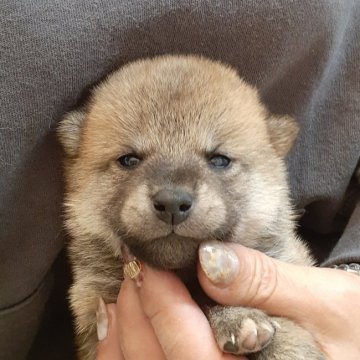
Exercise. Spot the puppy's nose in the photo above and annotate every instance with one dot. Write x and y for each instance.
(172, 206)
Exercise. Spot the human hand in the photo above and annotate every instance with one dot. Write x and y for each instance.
(323, 301)
(158, 321)
(146, 321)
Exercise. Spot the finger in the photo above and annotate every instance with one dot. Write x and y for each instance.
(137, 338)
(180, 326)
(250, 278)
(109, 348)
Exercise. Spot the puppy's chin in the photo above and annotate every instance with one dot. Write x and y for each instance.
(171, 252)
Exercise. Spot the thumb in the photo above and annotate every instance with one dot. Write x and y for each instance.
(232, 274)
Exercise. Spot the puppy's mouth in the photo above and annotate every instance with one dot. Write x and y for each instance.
(170, 252)
(173, 236)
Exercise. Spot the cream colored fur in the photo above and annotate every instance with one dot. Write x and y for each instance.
(174, 112)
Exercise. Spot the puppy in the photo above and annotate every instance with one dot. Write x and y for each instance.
(170, 152)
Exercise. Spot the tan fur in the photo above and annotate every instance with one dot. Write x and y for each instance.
(173, 112)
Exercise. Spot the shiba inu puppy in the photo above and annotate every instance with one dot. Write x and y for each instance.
(170, 152)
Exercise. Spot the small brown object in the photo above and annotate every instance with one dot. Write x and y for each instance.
(132, 269)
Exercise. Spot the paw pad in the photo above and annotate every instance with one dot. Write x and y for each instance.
(249, 335)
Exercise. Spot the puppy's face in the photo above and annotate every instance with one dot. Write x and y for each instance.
(171, 152)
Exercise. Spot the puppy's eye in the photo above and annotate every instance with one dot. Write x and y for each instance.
(129, 161)
(219, 161)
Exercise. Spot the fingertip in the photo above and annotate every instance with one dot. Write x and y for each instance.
(219, 269)
(127, 289)
(232, 274)
(109, 347)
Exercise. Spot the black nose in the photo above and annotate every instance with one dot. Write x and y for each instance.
(172, 206)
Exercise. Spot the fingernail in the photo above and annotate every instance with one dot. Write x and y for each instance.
(134, 271)
(219, 263)
(102, 321)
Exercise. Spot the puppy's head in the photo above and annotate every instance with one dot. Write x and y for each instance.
(171, 152)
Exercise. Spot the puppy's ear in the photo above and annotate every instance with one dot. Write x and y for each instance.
(282, 131)
(69, 131)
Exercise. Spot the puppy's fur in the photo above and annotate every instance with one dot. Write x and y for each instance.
(175, 113)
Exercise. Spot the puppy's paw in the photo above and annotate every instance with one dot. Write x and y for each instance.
(241, 331)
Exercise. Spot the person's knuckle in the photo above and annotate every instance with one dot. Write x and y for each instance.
(264, 281)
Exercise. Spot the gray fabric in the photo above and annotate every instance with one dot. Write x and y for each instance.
(343, 252)
(20, 322)
(303, 55)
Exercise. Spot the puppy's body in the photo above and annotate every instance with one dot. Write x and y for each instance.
(178, 128)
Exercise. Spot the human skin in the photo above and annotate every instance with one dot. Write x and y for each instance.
(159, 317)
(145, 323)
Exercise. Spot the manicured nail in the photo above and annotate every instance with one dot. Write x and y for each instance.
(102, 321)
(219, 263)
(134, 271)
